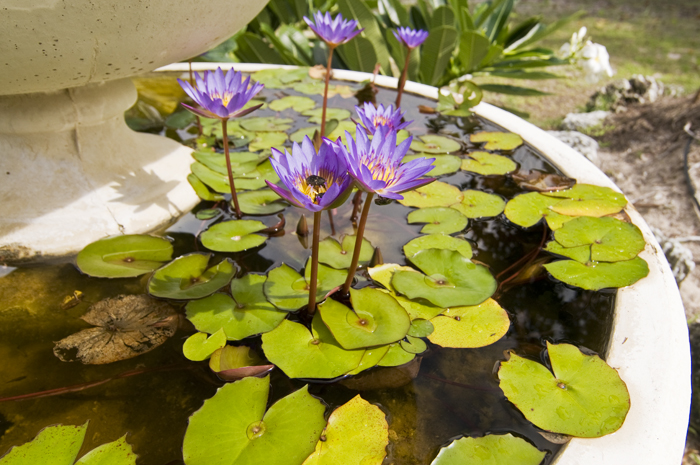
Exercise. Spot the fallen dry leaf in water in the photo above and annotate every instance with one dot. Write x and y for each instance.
(542, 182)
(126, 326)
(317, 72)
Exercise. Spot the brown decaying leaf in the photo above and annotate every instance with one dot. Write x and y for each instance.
(539, 181)
(234, 374)
(125, 326)
(427, 110)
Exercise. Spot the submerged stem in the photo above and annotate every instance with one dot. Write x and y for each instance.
(325, 93)
(311, 309)
(358, 243)
(228, 167)
(402, 79)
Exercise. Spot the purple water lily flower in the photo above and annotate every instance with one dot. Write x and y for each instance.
(221, 96)
(411, 38)
(372, 117)
(376, 164)
(334, 32)
(314, 181)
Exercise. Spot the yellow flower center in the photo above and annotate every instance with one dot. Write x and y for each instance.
(225, 97)
(380, 171)
(380, 121)
(315, 185)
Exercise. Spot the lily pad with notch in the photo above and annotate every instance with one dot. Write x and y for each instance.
(215, 180)
(375, 319)
(488, 164)
(479, 204)
(256, 179)
(421, 328)
(247, 314)
(233, 236)
(261, 202)
(587, 200)
(528, 209)
(288, 290)
(594, 276)
(267, 140)
(609, 239)
(270, 77)
(582, 396)
(242, 163)
(439, 220)
(284, 435)
(124, 327)
(396, 356)
(200, 346)
(443, 164)
(202, 190)
(491, 449)
(418, 308)
(339, 114)
(258, 124)
(295, 102)
(437, 241)
(581, 254)
(301, 353)
(124, 256)
(497, 140)
(430, 143)
(413, 345)
(450, 279)
(233, 363)
(471, 326)
(435, 194)
(339, 254)
(187, 277)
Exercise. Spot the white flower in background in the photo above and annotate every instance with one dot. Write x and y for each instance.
(595, 61)
(572, 48)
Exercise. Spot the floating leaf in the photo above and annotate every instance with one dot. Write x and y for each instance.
(247, 314)
(415, 309)
(478, 204)
(609, 239)
(490, 450)
(294, 102)
(236, 134)
(126, 326)
(534, 180)
(470, 327)
(294, 75)
(331, 113)
(233, 236)
(383, 273)
(497, 140)
(437, 241)
(450, 279)
(435, 144)
(287, 290)
(261, 202)
(266, 124)
(488, 163)
(256, 179)
(357, 433)
(233, 363)
(200, 346)
(208, 214)
(587, 200)
(421, 328)
(314, 87)
(118, 452)
(440, 220)
(213, 179)
(233, 428)
(443, 164)
(396, 356)
(376, 318)
(267, 140)
(413, 345)
(55, 445)
(202, 190)
(339, 255)
(584, 397)
(303, 354)
(528, 209)
(370, 358)
(242, 163)
(435, 194)
(187, 277)
(180, 119)
(269, 77)
(599, 275)
(124, 256)
(581, 254)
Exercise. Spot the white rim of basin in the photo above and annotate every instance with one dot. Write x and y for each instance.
(651, 350)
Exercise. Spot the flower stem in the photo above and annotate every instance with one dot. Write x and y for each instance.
(330, 220)
(311, 309)
(228, 166)
(402, 79)
(325, 93)
(358, 243)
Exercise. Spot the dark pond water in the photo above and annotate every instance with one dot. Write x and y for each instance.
(455, 393)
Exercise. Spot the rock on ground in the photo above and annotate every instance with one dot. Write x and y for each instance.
(583, 121)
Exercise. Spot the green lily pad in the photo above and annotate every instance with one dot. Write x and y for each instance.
(213, 179)
(443, 164)
(314, 87)
(187, 277)
(357, 433)
(266, 124)
(375, 319)
(609, 239)
(396, 356)
(124, 256)
(200, 346)
(270, 77)
(233, 428)
(490, 450)
(247, 314)
(599, 275)
(256, 179)
(488, 163)
(208, 213)
(294, 75)
(402, 135)
(450, 279)
(437, 241)
(242, 163)
(583, 397)
(287, 290)
(528, 209)
(261, 202)
(117, 452)
(470, 327)
(383, 274)
(421, 328)
(202, 190)
(180, 119)
(233, 236)
(435, 194)
(339, 131)
(55, 445)
(413, 345)
(497, 140)
(581, 254)
(331, 113)
(479, 204)
(236, 134)
(440, 220)
(370, 358)
(294, 102)
(267, 140)
(339, 255)
(303, 354)
(435, 144)
(587, 200)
